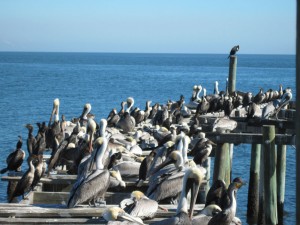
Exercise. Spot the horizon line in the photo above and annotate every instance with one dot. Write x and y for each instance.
(177, 53)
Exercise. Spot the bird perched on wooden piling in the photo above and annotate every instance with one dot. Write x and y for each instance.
(15, 159)
(234, 50)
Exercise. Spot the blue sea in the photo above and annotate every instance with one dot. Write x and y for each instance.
(29, 82)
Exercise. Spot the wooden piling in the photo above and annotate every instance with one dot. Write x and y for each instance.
(281, 171)
(261, 211)
(232, 73)
(221, 166)
(253, 192)
(270, 189)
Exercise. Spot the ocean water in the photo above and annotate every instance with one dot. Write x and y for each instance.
(29, 82)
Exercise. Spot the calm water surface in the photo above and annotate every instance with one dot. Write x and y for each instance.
(29, 83)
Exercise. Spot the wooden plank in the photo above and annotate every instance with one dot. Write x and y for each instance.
(248, 138)
(79, 212)
(52, 221)
(98, 221)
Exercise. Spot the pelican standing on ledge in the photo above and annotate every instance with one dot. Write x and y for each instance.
(93, 185)
(191, 181)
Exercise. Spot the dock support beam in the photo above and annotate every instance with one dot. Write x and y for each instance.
(270, 187)
(222, 163)
(281, 171)
(232, 73)
(253, 191)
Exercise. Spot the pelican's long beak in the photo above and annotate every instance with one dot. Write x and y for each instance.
(195, 189)
(126, 216)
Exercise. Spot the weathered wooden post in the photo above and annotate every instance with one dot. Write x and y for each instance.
(270, 189)
(261, 212)
(253, 191)
(222, 161)
(232, 73)
(281, 170)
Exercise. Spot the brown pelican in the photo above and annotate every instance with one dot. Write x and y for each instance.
(91, 185)
(139, 205)
(202, 107)
(84, 115)
(159, 155)
(195, 99)
(177, 104)
(15, 159)
(273, 108)
(115, 214)
(91, 129)
(161, 116)
(128, 168)
(234, 50)
(147, 110)
(122, 110)
(224, 124)
(154, 111)
(55, 111)
(191, 181)
(165, 183)
(116, 179)
(205, 215)
(169, 137)
(126, 123)
(87, 163)
(194, 93)
(25, 182)
(55, 134)
(139, 116)
(145, 166)
(66, 150)
(227, 215)
(130, 103)
(113, 118)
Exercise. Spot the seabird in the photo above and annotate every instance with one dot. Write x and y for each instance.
(234, 50)
(15, 159)
(25, 182)
(139, 205)
(115, 214)
(227, 215)
(191, 181)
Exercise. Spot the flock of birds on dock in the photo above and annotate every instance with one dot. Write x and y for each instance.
(102, 154)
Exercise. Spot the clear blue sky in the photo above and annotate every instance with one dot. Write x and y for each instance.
(168, 26)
